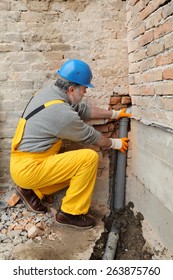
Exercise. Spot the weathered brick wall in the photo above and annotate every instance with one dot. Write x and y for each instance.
(150, 47)
(36, 37)
(150, 43)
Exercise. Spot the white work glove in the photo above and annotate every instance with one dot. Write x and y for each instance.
(116, 115)
(120, 144)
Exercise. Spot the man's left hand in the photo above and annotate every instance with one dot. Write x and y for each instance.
(120, 114)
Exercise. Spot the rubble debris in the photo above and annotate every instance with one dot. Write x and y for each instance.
(13, 200)
(20, 226)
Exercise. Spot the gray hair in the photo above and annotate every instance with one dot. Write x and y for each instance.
(64, 84)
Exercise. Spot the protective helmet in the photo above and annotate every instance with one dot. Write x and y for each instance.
(76, 71)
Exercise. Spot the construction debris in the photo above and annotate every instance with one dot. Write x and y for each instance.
(13, 200)
(17, 225)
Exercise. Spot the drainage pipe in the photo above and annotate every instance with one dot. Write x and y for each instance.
(119, 193)
(120, 175)
(112, 242)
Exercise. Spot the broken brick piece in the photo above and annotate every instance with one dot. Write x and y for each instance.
(34, 231)
(13, 200)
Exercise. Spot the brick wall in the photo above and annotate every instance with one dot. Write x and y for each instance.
(150, 163)
(36, 37)
(150, 47)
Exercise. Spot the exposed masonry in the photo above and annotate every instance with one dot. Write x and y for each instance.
(149, 172)
(165, 3)
(150, 47)
(37, 36)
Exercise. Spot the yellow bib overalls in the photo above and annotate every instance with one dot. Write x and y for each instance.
(48, 172)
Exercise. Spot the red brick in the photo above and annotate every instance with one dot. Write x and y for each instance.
(155, 4)
(19, 227)
(167, 10)
(134, 22)
(139, 78)
(154, 20)
(164, 88)
(166, 103)
(146, 12)
(165, 59)
(147, 64)
(168, 74)
(11, 227)
(115, 100)
(147, 38)
(41, 225)
(13, 200)
(140, 54)
(117, 107)
(143, 90)
(137, 31)
(163, 29)
(155, 48)
(126, 100)
(134, 90)
(148, 90)
(152, 6)
(140, 5)
(168, 42)
(152, 76)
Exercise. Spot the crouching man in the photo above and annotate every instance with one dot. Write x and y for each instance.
(54, 114)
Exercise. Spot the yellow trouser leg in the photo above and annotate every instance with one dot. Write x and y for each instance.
(79, 194)
(76, 169)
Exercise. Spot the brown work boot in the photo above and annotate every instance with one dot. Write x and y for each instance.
(76, 221)
(31, 200)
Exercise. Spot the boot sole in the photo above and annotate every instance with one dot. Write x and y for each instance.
(73, 226)
(29, 208)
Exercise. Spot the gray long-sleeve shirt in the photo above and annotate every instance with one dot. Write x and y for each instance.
(58, 121)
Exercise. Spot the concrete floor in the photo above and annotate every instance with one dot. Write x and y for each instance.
(68, 243)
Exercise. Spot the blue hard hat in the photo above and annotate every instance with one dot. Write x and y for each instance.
(76, 71)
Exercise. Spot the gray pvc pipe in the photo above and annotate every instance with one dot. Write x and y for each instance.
(120, 175)
(119, 193)
(111, 244)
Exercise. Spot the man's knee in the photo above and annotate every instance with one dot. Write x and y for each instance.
(90, 155)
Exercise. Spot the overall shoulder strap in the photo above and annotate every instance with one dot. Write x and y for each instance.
(45, 105)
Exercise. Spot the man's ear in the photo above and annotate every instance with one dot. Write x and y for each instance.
(71, 93)
(71, 89)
